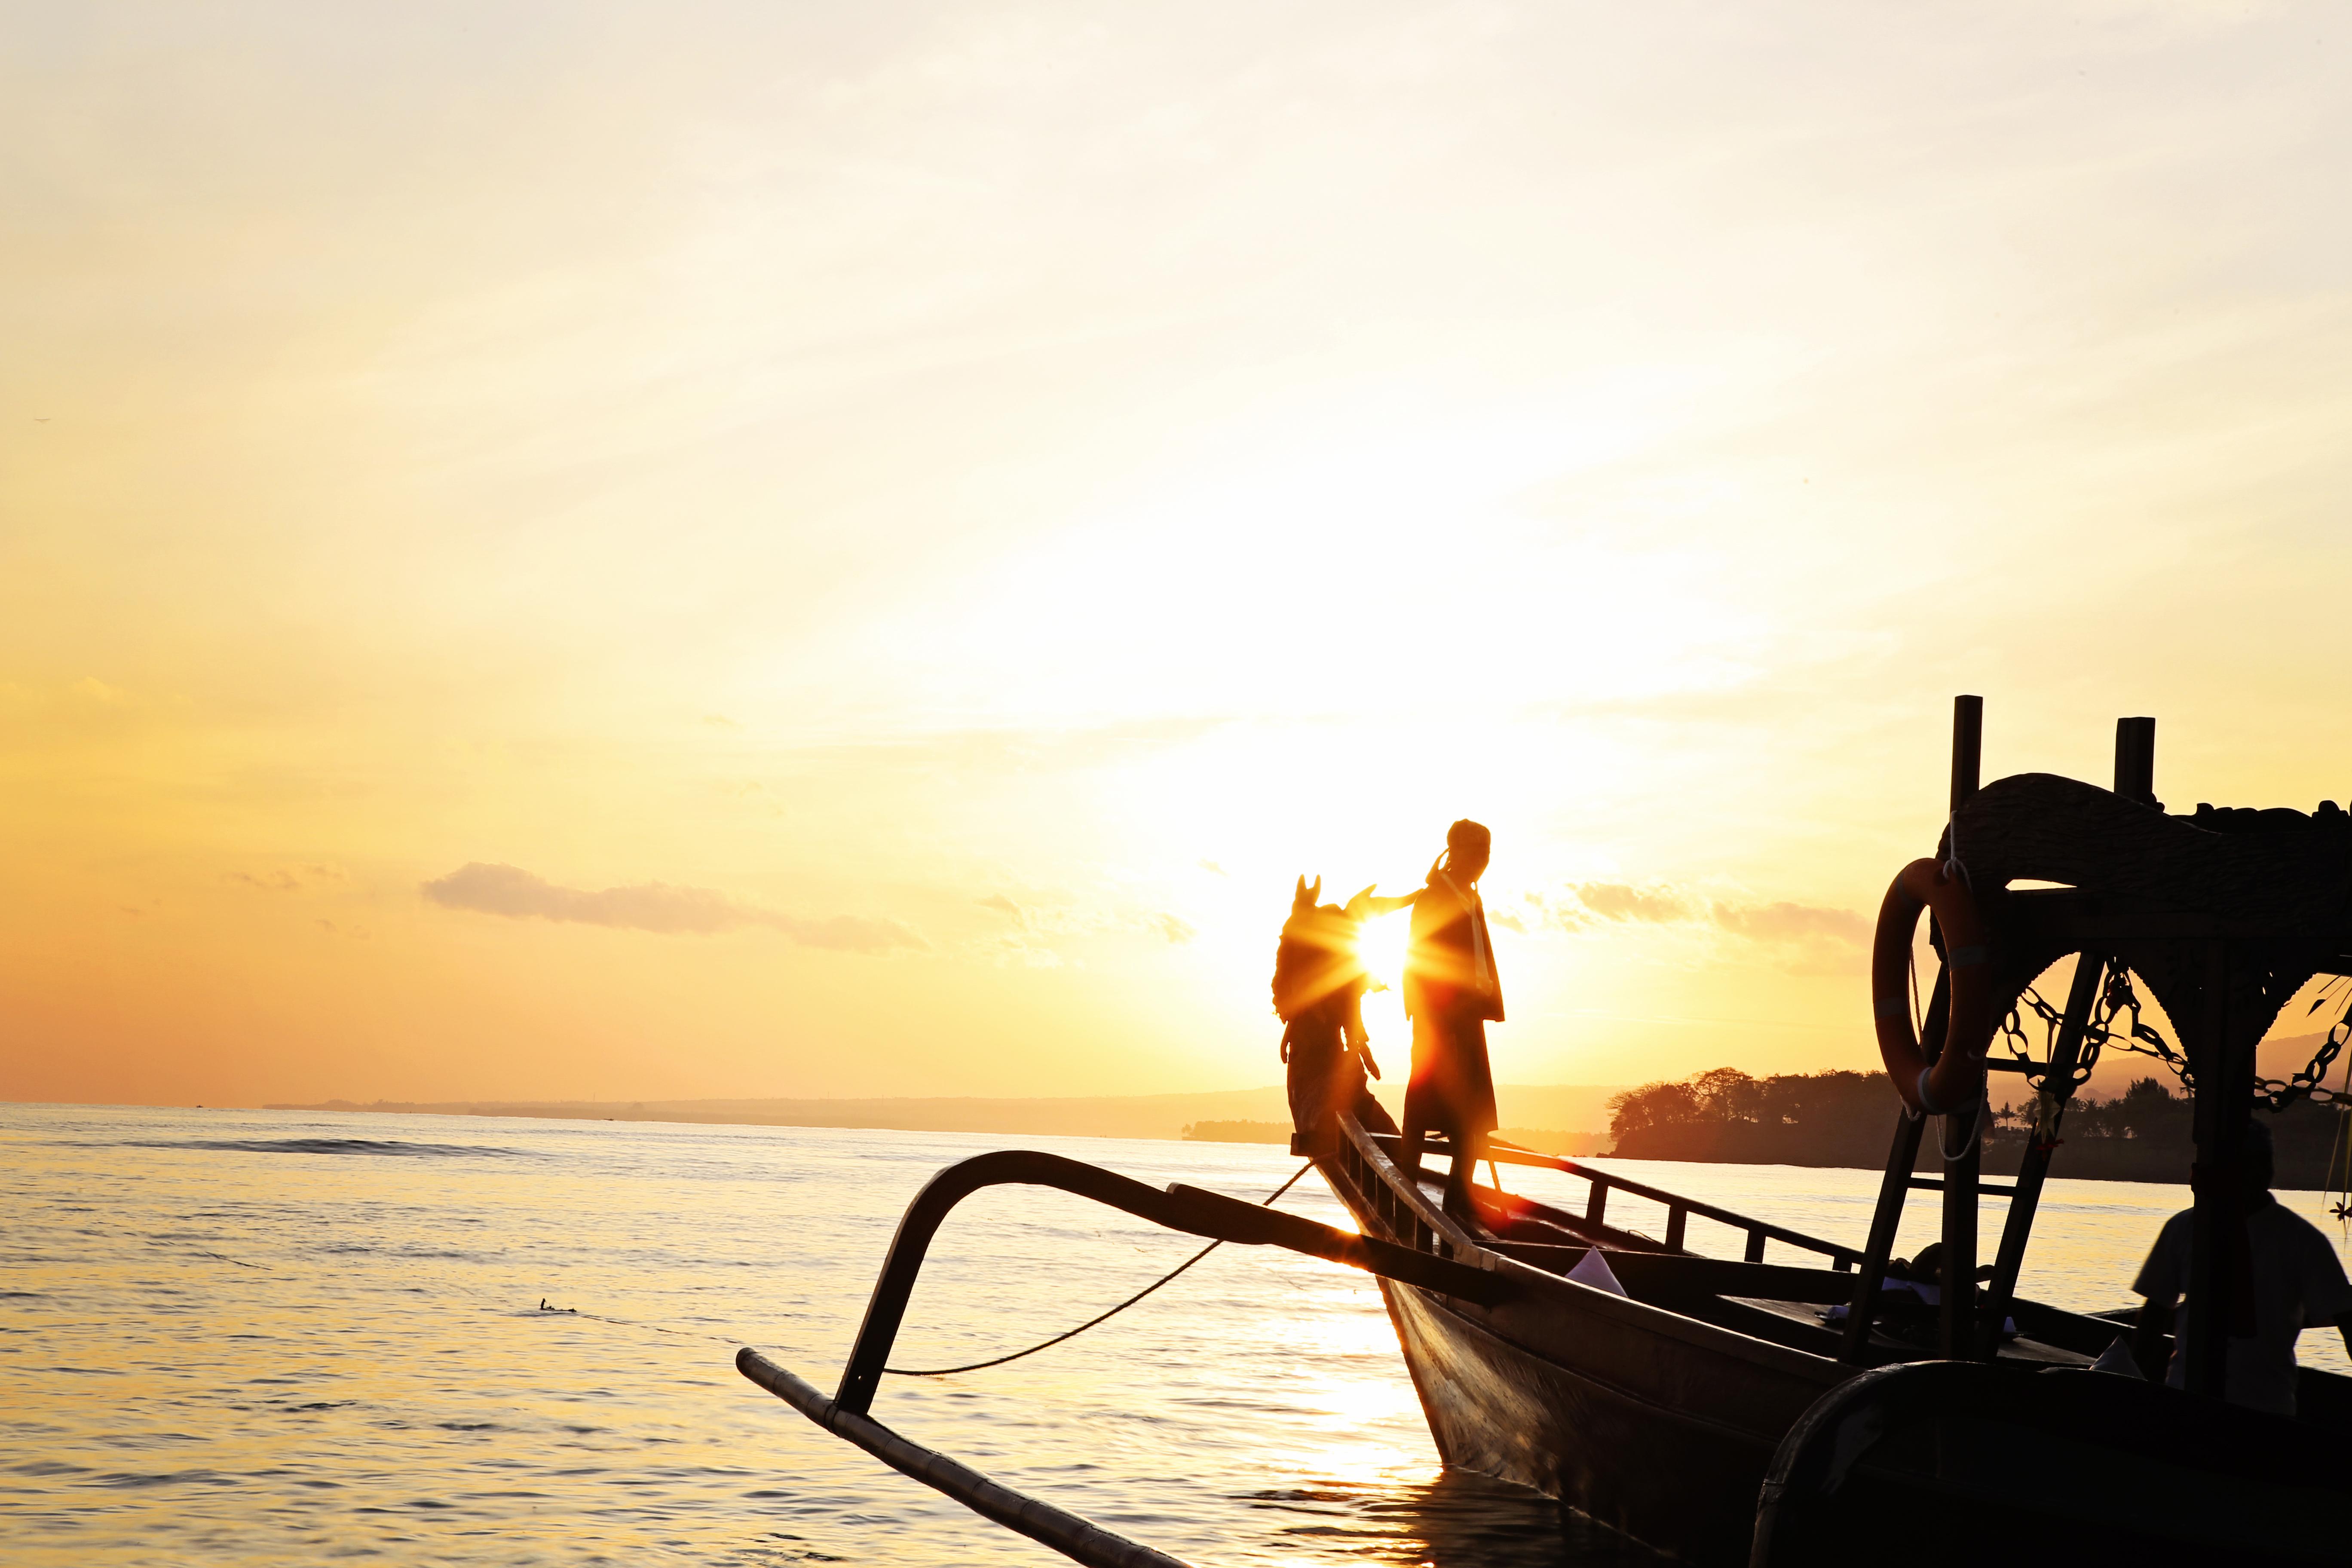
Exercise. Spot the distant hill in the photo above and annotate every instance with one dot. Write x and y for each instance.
(1842, 1118)
(1574, 1105)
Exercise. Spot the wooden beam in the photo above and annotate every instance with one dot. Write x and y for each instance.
(1964, 1131)
(2135, 760)
(1080, 1540)
(2224, 1069)
(2026, 1192)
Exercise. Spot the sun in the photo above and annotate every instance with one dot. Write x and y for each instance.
(1381, 947)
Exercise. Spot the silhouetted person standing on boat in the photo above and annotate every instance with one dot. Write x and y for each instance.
(2287, 1280)
(1451, 994)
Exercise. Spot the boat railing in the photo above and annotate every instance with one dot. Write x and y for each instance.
(1678, 1208)
(1415, 1221)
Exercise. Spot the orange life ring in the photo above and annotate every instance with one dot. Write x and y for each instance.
(1956, 1077)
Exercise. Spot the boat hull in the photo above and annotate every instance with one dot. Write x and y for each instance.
(1680, 1484)
(1670, 1418)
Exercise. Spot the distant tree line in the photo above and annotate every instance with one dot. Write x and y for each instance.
(1834, 1117)
(1842, 1118)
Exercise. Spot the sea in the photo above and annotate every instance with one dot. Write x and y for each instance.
(240, 1337)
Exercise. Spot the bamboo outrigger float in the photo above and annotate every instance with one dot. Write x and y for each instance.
(1711, 1408)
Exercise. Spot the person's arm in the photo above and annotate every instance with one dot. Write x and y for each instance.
(2148, 1336)
(2344, 1327)
(1365, 907)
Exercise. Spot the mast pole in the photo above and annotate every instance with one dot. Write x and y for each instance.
(2224, 1068)
(1961, 1138)
(2135, 780)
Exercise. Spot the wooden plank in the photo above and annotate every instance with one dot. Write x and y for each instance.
(1080, 1540)
(1936, 1185)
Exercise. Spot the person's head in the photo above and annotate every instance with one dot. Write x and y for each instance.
(1467, 847)
(1317, 957)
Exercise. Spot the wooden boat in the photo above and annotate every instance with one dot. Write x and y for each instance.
(1710, 1407)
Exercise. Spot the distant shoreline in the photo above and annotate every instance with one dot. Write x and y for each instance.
(1157, 1116)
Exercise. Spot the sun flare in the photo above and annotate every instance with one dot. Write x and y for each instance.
(1381, 946)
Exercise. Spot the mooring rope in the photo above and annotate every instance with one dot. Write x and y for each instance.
(1090, 1322)
(499, 1298)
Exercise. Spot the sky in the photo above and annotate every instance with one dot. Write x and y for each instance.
(644, 552)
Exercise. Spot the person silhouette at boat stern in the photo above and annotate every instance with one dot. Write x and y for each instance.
(2286, 1278)
(1451, 994)
(1319, 981)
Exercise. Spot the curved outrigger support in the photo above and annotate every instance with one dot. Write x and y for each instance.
(1189, 1209)
(1080, 1540)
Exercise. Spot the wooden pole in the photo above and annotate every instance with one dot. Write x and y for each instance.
(2224, 1069)
(2135, 760)
(1892, 1188)
(2017, 1229)
(1080, 1540)
(2135, 780)
(1968, 748)
(1962, 1130)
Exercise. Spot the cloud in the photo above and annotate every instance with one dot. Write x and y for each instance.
(518, 894)
(1623, 901)
(1039, 921)
(1211, 868)
(844, 933)
(1811, 938)
(288, 879)
(1790, 922)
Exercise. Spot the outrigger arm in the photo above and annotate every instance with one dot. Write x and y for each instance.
(1189, 1209)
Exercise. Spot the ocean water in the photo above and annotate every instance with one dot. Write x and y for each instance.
(249, 1338)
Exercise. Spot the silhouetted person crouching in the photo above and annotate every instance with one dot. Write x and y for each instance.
(1318, 990)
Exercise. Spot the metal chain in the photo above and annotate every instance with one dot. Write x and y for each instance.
(2280, 1093)
(2142, 1038)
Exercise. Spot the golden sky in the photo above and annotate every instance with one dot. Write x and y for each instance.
(753, 550)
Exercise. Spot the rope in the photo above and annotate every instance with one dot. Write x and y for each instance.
(1090, 1322)
(499, 1299)
(2342, 1208)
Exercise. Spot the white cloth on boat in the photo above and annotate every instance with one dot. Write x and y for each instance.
(2298, 1284)
(2118, 1359)
(1927, 1295)
(1593, 1270)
